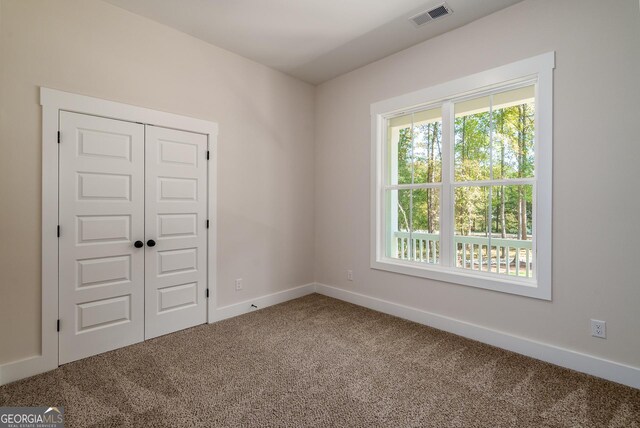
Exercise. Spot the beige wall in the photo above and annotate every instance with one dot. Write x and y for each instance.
(265, 168)
(596, 174)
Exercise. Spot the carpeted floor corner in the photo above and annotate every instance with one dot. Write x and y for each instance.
(320, 362)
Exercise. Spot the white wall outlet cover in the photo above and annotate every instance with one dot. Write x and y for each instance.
(350, 275)
(238, 284)
(599, 328)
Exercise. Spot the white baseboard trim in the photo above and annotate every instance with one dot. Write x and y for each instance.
(606, 369)
(261, 302)
(30, 366)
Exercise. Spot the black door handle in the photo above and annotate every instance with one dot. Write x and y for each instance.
(151, 243)
(138, 244)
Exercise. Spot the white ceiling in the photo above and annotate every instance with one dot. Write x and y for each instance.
(313, 40)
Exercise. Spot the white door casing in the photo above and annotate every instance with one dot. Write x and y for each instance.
(101, 215)
(176, 220)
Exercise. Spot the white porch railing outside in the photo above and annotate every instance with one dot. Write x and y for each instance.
(426, 246)
(506, 256)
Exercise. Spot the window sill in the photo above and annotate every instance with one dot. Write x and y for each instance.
(485, 280)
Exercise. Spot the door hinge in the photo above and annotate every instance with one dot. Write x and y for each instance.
(58, 137)
(207, 293)
(58, 231)
(207, 224)
(58, 325)
(207, 154)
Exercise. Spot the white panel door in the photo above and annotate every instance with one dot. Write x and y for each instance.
(176, 218)
(101, 283)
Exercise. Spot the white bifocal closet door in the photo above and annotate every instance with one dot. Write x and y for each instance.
(101, 282)
(176, 247)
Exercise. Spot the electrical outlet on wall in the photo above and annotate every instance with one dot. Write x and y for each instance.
(238, 284)
(349, 275)
(599, 329)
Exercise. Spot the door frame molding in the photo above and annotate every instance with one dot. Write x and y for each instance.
(52, 102)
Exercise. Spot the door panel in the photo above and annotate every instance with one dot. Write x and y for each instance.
(177, 225)
(104, 313)
(104, 271)
(101, 284)
(176, 208)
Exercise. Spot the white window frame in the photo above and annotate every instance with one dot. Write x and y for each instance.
(539, 70)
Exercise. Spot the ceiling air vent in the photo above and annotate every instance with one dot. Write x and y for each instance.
(431, 14)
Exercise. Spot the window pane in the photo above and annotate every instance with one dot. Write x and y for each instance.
(398, 203)
(400, 152)
(471, 234)
(472, 140)
(426, 225)
(512, 226)
(413, 224)
(414, 148)
(427, 146)
(493, 229)
(514, 130)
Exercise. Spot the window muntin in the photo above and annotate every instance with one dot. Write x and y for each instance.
(491, 220)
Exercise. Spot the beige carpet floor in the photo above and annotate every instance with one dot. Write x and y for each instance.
(316, 361)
